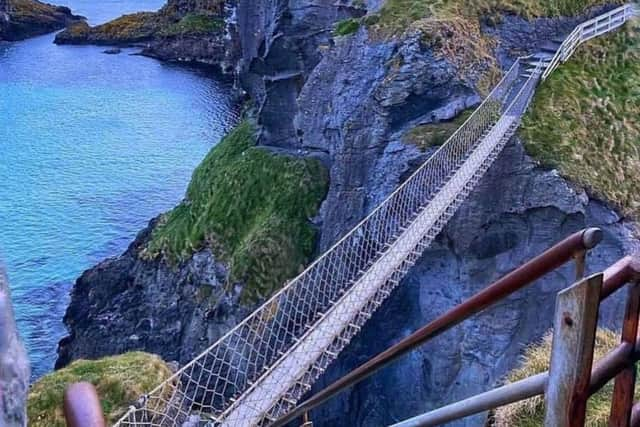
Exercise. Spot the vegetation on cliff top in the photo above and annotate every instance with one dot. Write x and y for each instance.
(128, 28)
(30, 17)
(585, 119)
(530, 412)
(252, 207)
(120, 380)
(141, 26)
(399, 15)
(34, 10)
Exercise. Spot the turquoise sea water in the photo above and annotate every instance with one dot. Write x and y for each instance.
(91, 147)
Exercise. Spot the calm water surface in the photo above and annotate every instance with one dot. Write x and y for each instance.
(91, 147)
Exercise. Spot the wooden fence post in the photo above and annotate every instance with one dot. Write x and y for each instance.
(623, 390)
(574, 330)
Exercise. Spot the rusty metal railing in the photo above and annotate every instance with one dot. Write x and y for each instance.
(571, 380)
(573, 247)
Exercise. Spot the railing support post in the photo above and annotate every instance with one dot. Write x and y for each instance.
(623, 390)
(574, 331)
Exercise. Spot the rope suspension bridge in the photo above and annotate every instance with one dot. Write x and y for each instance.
(259, 371)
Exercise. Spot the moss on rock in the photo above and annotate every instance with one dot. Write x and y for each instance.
(119, 380)
(346, 27)
(434, 134)
(251, 206)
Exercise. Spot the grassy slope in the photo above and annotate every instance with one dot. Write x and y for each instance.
(585, 119)
(398, 15)
(119, 380)
(530, 413)
(252, 207)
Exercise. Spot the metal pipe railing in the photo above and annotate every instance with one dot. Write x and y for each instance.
(618, 359)
(544, 263)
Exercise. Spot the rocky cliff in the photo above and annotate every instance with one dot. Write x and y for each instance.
(368, 105)
(20, 19)
(14, 364)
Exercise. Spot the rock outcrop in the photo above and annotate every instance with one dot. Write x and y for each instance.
(352, 101)
(127, 303)
(20, 19)
(14, 364)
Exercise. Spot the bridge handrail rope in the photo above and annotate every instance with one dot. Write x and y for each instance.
(259, 370)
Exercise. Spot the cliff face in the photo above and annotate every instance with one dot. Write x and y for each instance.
(14, 364)
(352, 102)
(20, 19)
(127, 303)
(517, 211)
(4, 17)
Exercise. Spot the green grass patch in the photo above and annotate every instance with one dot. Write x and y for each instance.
(530, 412)
(434, 134)
(585, 119)
(119, 380)
(129, 28)
(194, 24)
(346, 27)
(252, 207)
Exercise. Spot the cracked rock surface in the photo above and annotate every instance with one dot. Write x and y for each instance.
(14, 364)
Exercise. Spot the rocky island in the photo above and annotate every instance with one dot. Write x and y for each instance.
(182, 31)
(346, 101)
(20, 19)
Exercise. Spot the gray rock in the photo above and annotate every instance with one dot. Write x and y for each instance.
(14, 364)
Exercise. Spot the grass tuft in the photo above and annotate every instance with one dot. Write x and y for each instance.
(252, 207)
(585, 119)
(194, 24)
(346, 27)
(119, 380)
(530, 412)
